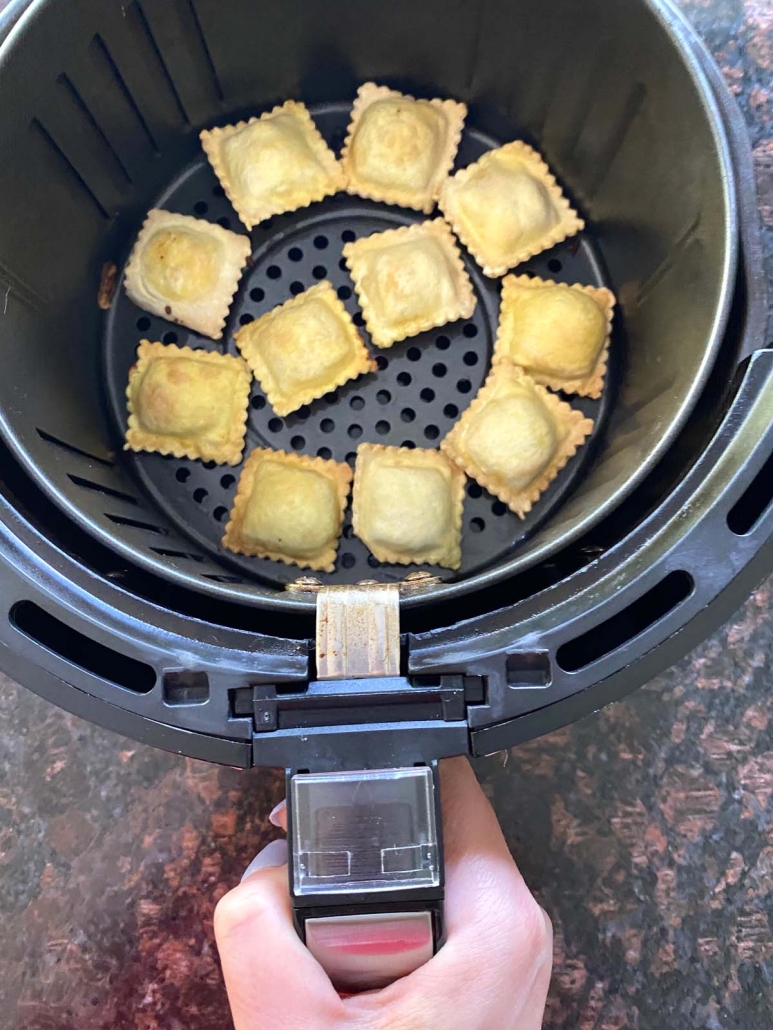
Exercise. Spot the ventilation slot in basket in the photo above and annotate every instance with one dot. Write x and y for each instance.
(100, 488)
(753, 502)
(73, 449)
(121, 520)
(62, 640)
(628, 624)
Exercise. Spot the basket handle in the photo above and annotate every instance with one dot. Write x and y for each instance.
(365, 855)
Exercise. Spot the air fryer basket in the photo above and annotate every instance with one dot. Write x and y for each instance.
(619, 115)
(120, 602)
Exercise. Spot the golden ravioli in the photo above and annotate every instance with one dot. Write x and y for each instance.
(408, 505)
(506, 207)
(289, 507)
(559, 334)
(408, 280)
(515, 437)
(186, 270)
(275, 163)
(304, 348)
(399, 149)
(188, 403)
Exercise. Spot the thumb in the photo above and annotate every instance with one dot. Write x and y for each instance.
(272, 980)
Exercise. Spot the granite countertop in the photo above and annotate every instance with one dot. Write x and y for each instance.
(646, 830)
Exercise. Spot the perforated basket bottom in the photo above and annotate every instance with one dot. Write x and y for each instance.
(422, 386)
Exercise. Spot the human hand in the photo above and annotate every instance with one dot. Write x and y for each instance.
(492, 973)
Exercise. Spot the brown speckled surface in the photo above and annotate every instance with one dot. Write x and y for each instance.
(646, 830)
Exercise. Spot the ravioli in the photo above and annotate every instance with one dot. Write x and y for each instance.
(515, 437)
(398, 149)
(303, 349)
(186, 270)
(557, 333)
(188, 403)
(407, 505)
(290, 508)
(507, 207)
(275, 163)
(409, 280)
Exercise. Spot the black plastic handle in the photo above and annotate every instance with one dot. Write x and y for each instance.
(366, 871)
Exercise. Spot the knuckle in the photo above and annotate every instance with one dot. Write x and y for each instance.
(242, 906)
(537, 930)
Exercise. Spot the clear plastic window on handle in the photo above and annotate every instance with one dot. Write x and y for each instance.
(367, 831)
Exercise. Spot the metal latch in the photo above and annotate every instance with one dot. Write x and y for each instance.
(358, 631)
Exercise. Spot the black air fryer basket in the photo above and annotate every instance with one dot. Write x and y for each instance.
(119, 602)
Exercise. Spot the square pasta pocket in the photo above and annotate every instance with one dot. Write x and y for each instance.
(408, 505)
(398, 149)
(507, 207)
(304, 349)
(188, 403)
(186, 270)
(289, 507)
(409, 280)
(515, 437)
(558, 334)
(275, 163)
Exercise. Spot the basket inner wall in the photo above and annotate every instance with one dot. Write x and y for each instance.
(100, 106)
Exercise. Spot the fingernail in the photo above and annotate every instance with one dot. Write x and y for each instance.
(272, 817)
(273, 854)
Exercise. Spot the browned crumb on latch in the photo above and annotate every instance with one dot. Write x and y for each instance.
(108, 281)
